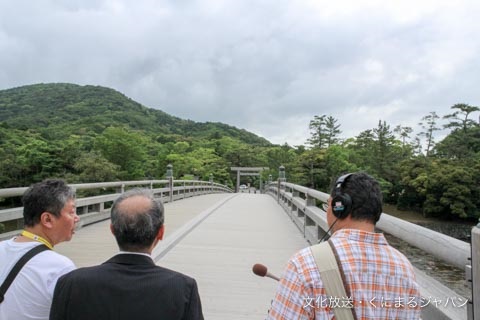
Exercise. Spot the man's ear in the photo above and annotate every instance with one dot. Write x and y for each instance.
(161, 232)
(111, 229)
(47, 219)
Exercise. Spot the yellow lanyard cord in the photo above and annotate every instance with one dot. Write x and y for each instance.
(32, 236)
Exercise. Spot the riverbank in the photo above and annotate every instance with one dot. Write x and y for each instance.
(459, 229)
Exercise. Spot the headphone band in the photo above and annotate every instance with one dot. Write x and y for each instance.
(342, 201)
(341, 180)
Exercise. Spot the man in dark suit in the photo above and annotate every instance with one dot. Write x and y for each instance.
(129, 285)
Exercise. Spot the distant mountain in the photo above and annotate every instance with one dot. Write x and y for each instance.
(76, 109)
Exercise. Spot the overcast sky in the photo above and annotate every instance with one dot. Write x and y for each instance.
(268, 66)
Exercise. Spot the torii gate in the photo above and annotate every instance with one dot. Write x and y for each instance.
(248, 171)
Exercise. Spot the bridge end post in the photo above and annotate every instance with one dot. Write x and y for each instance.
(474, 304)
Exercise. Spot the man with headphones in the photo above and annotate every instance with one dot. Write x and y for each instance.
(379, 281)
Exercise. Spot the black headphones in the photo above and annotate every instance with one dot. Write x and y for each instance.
(341, 202)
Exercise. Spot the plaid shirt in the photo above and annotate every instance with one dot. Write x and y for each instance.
(380, 282)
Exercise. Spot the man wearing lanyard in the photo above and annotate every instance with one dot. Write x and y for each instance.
(129, 285)
(50, 216)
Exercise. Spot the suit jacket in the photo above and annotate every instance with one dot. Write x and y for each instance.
(128, 286)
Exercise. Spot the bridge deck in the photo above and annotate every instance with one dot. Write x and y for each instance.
(240, 230)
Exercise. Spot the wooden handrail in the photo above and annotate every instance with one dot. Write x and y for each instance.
(93, 209)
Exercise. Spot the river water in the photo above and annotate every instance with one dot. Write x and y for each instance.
(450, 276)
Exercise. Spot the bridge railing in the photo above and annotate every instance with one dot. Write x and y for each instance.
(301, 205)
(96, 208)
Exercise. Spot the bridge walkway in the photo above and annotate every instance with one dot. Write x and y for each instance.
(232, 232)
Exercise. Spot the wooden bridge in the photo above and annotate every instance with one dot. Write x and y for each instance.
(216, 236)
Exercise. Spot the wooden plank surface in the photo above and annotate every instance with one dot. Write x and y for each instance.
(220, 252)
(94, 244)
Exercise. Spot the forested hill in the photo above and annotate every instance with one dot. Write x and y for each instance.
(94, 134)
(60, 109)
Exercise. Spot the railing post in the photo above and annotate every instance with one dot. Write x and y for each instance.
(278, 190)
(295, 193)
(281, 178)
(474, 304)
(310, 202)
(268, 184)
(237, 189)
(169, 175)
(260, 187)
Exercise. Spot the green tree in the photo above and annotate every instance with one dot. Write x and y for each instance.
(363, 147)
(416, 146)
(412, 184)
(452, 190)
(124, 148)
(38, 160)
(384, 141)
(333, 131)
(310, 168)
(338, 161)
(10, 169)
(408, 148)
(92, 167)
(460, 118)
(429, 125)
(210, 163)
(184, 165)
(463, 142)
(318, 131)
(324, 131)
(283, 155)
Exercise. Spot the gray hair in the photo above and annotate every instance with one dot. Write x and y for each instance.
(46, 196)
(136, 230)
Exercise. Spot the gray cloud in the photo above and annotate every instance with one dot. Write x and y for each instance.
(266, 66)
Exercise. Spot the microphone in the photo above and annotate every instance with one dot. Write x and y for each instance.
(261, 271)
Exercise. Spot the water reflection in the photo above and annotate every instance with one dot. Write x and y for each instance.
(450, 276)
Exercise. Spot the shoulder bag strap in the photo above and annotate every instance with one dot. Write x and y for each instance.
(331, 278)
(18, 266)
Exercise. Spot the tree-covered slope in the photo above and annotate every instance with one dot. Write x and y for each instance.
(61, 108)
(94, 134)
